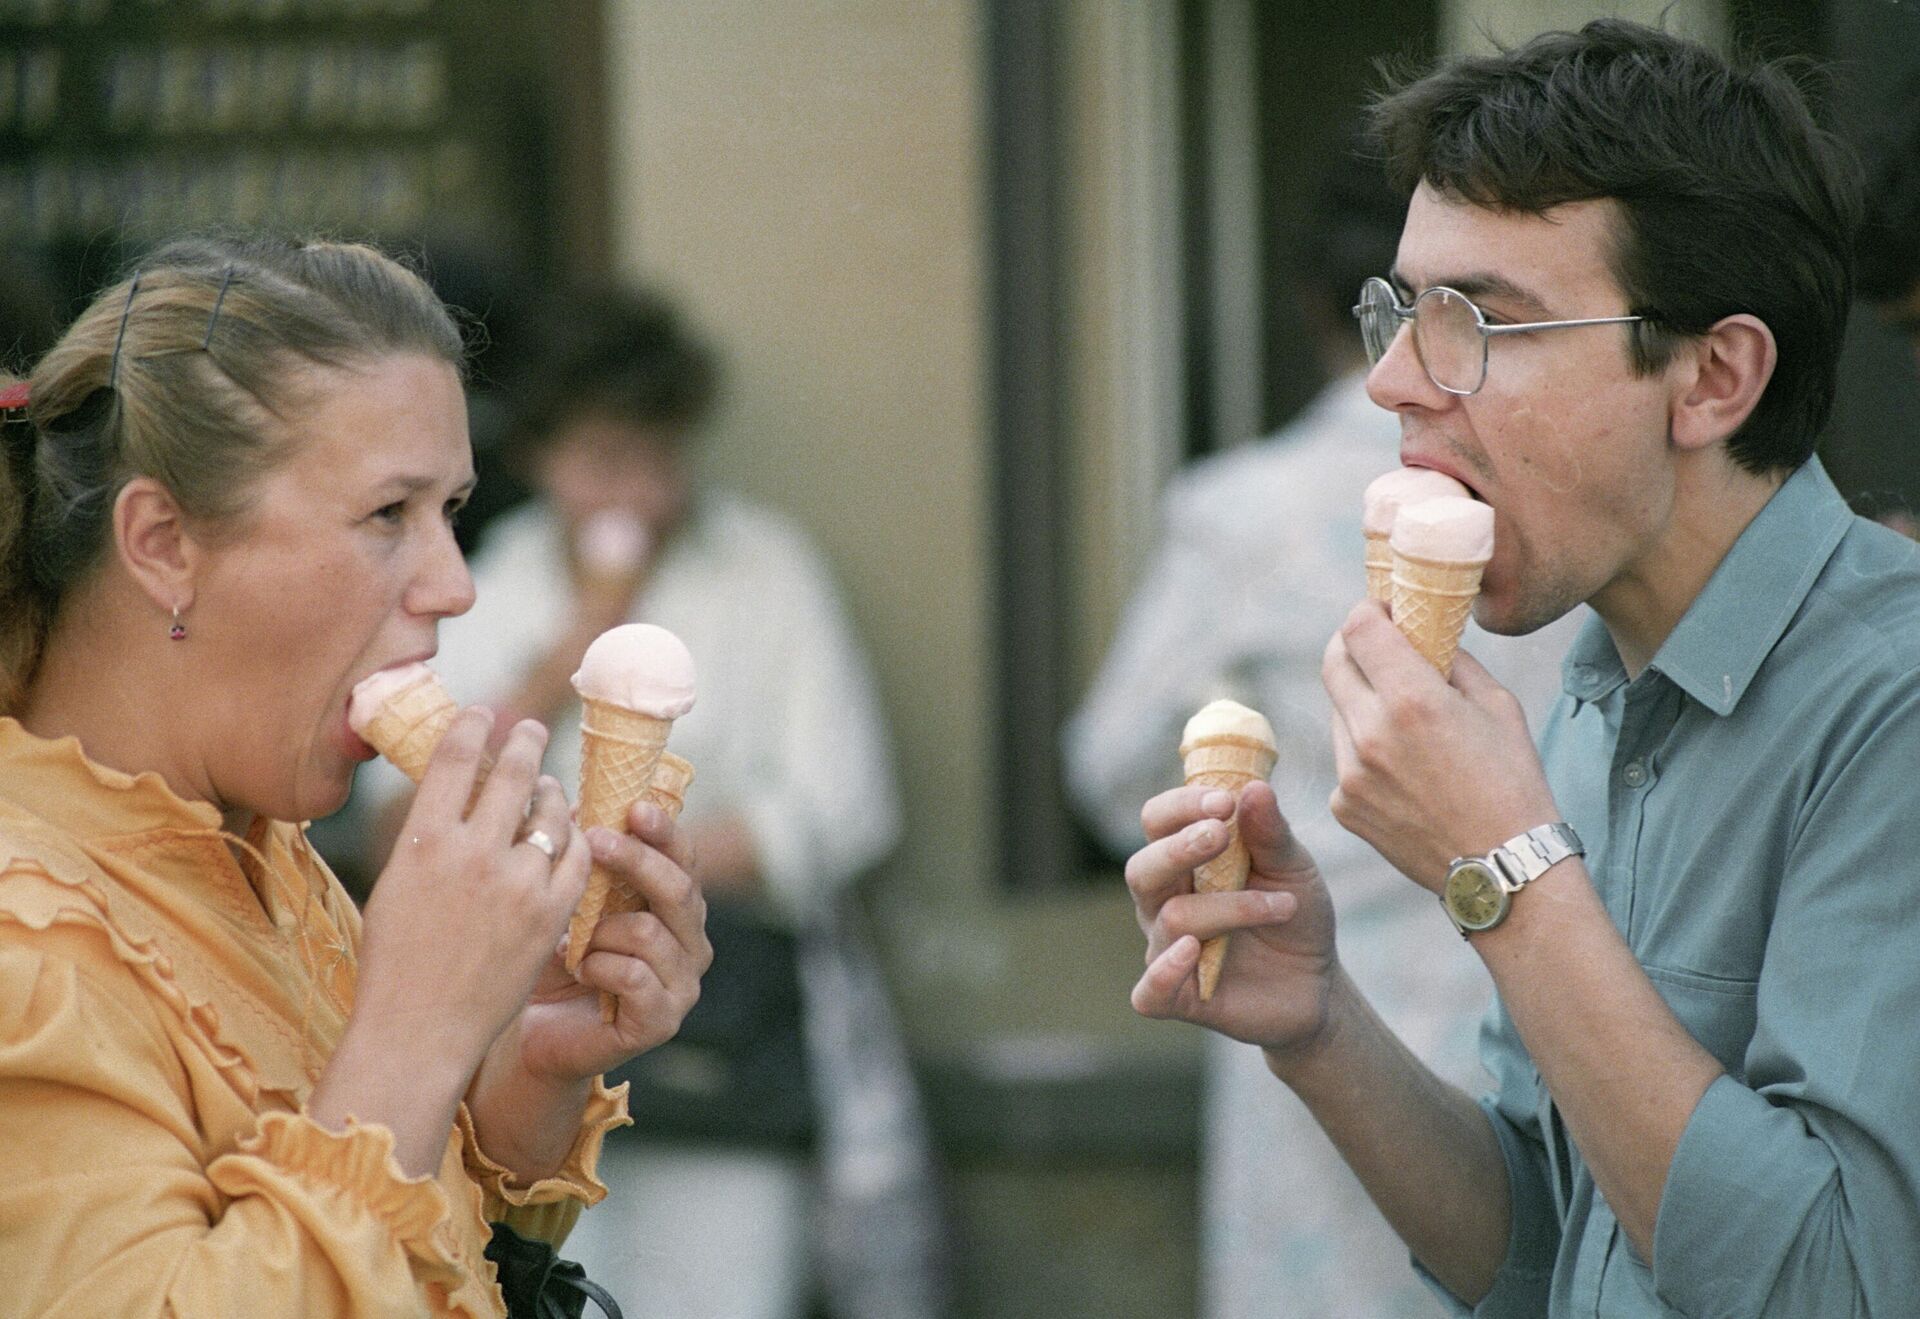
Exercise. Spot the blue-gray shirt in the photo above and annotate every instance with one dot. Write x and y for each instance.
(1751, 809)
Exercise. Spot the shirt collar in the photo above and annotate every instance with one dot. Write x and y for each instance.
(1744, 609)
(54, 780)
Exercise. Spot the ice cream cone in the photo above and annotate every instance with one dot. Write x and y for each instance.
(618, 751)
(1385, 496)
(410, 723)
(1431, 602)
(1230, 758)
(667, 789)
(407, 723)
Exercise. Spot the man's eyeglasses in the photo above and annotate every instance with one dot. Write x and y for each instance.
(1450, 333)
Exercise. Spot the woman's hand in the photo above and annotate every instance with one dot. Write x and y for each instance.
(459, 926)
(1280, 964)
(467, 911)
(651, 961)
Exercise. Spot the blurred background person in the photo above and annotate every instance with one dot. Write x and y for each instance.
(1260, 560)
(1890, 254)
(783, 1131)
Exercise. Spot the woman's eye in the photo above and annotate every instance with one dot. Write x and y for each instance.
(454, 508)
(393, 512)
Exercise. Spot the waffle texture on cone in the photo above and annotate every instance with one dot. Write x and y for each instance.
(409, 723)
(1431, 604)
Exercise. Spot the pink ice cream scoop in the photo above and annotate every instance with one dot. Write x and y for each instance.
(1401, 487)
(1450, 529)
(638, 667)
(372, 693)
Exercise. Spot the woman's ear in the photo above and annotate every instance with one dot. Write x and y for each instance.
(150, 536)
(1730, 367)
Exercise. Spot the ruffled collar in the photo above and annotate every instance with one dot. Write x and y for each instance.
(54, 780)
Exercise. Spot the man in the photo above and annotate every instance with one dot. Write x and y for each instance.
(1258, 562)
(1697, 901)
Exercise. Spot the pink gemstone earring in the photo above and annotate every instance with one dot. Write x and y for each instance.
(178, 631)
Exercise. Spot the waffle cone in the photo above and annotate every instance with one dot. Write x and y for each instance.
(1431, 601)
(410, 725)
(618, 751)
(1230, 763)
(1379, 568)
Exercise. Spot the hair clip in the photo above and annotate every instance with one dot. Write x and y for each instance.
(13, 397)
(113, 370)
(206, 344)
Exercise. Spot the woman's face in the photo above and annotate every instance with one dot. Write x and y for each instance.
(343, 563)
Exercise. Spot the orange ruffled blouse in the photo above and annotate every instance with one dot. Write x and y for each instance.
(165, 1010)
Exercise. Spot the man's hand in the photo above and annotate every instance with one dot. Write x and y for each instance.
(1273, 991)
(1428, 771)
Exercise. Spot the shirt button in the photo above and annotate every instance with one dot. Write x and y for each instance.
(1635, 774)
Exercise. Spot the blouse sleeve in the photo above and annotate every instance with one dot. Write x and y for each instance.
(114, 1206)
(547, 1209)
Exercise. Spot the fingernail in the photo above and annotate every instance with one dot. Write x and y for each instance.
(602, 841)
(1217, 800)
(1206, 833)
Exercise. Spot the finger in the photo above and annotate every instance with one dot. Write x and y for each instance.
(1161, 869)
(1157, 992)
(1347, 685)
(1470, 676)
(1272, 847)
(502, 807)
(1204, 915)
(548, 813)
(571, 868)
(1381, 651)
(448, 783)
(668, 889)
(654, 826)
(643, 935)
(1177, 808)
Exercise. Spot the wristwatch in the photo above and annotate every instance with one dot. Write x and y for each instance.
(1479, 889)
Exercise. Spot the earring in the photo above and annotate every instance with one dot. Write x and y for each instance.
(178, 631)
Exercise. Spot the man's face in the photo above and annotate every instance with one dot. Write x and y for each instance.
(1564, 440)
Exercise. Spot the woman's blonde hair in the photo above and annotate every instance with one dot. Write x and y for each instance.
(184, 372)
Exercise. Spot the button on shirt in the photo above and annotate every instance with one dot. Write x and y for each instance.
(1751, 808)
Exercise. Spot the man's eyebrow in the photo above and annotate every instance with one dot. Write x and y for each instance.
(1480, 284)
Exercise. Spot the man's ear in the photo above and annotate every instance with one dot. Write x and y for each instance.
(1728, 368)
(150, 537)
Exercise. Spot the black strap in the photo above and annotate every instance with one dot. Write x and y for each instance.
(538, 1284)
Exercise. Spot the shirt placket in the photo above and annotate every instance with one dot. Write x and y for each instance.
(1647, 712)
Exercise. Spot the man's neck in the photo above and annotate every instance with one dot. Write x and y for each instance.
(1713, 503)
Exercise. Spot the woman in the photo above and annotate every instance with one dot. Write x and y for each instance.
(221, 1090)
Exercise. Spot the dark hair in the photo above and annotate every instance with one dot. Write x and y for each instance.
(184, 372)
(1732, 198)
(621, 353)
(1890, 238)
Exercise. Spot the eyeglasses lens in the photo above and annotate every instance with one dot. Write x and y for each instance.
(1446, 330)
(1378, 324)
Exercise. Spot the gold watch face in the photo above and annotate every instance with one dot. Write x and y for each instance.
(1474, 895)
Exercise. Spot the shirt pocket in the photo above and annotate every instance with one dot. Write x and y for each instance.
(1718, 1011)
